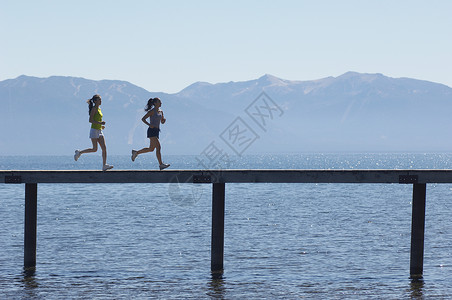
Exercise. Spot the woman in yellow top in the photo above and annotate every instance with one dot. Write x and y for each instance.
(96, 135)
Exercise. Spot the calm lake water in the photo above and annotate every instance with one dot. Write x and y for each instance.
(291, 241)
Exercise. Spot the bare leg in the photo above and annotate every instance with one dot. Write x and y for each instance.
(146, 150)
(101, 141)
(93, 149)
(155, 144)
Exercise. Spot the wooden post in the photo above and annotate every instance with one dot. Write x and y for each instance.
(217, 247)
(417, 231)
(31, 201)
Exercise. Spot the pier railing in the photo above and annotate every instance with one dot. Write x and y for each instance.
(218, 178)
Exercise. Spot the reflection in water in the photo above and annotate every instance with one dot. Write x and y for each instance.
(417, 289)
(216, 285)
(30, 283)
(29, 272)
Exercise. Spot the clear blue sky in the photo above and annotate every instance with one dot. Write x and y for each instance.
(167, 45)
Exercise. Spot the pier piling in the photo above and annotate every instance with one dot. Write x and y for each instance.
(417, 231)
(217, 245)
(31, 210)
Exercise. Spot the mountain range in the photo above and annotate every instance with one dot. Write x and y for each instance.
(353, 112)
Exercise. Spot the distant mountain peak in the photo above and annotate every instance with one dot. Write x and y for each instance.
(270, 80)
(193, 88)
(268, 77)
(368, 76)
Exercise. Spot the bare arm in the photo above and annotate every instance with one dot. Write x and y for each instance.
(146, 116)
(163, 120)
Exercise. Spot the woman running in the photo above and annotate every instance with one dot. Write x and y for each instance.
(96, 135)
(155, 115)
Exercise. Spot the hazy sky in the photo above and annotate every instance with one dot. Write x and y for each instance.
(167, 45)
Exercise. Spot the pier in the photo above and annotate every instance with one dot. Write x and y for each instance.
(218, 179)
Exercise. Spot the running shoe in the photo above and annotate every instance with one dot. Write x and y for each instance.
(134, 154)
(164, 166)
(107, 167)
(77, 155)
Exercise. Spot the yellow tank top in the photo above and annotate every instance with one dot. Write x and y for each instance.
(98, 118)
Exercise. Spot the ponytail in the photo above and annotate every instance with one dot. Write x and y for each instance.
(90, 105)
(151, 104)
(91, 102)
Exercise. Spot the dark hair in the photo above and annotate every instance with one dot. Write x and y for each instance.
(151, 104)
(91, 102)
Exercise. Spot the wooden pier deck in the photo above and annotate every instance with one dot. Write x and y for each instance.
(218, 178)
